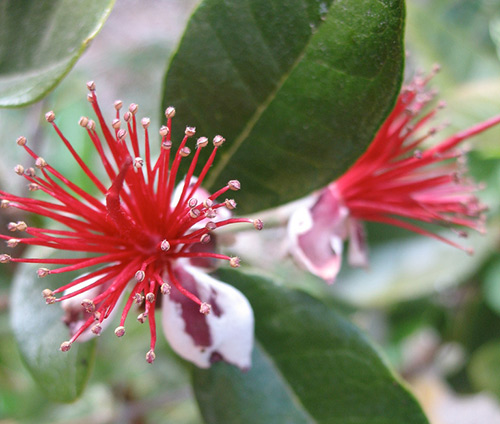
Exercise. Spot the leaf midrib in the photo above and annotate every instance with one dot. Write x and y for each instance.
(238, 141)
(285, 384)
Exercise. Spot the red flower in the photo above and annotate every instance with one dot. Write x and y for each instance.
(397, 182)
(140, 229)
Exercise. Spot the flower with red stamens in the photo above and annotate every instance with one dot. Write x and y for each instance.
(149, 242)
(396, 181)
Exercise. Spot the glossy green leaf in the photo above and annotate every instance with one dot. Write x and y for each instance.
(491, 286)
(40, 41)
(297, 87)
(311, 365)
(39, 331)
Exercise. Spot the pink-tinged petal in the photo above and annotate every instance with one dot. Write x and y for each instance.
(77, 310)
(357, 254)
(225, 333)
(317, 234)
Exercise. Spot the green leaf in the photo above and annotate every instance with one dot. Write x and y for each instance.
(491, 286)
(39, 332)
(41, 41)
(297, 87)
(310, 366)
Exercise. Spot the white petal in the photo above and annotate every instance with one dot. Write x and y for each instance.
(75, 316)
(200, 194)
(317, 233)
(225, 333)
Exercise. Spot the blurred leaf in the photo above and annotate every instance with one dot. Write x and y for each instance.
(405, 269)
(297, 87)
(41, 41)
(484, 368)
(39, 332)
(454, 34)
(311, 365)
(491, 287)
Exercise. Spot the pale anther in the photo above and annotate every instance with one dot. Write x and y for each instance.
(50, 116)
(218, 140)
(205, 308)
(164, 130)
(164, 245)
(150, 356)
(47, 293)
(88, 306)
(234, 262)
(210, 225)
(138, 163)
(4, 258)
(230, 204)
(13, 242)
(190, 131)
(202, 142)
(96, 329)
(210, 213)
(43, 272)
(21, 226)
(65, 346)
(170, 112)
(194, 213)
(258, 224)
(40, 162)
(133, 108)
(121, 134)
(234, 185)
(185, 151)
(30, 172)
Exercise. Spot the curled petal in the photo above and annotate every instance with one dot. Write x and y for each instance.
(317, 233)
(357, 254)
(225, 333)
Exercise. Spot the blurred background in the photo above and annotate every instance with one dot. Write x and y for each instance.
(434, 311)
